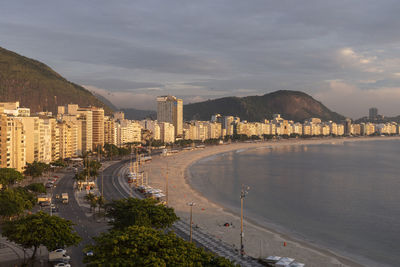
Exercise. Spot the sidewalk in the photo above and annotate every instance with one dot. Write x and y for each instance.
(13, 255)
(80, 194)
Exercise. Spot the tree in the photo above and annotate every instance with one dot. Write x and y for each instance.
(141, 212)
(9, 176)
(59, 163)
(38, 229)
(36, 169)
(91, 168)
(36, 188)
(92, 199)
(100, 201)
(143, 246)
(15, 201)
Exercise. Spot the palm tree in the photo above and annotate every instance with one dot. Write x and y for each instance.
(101, 201)
(91, 198)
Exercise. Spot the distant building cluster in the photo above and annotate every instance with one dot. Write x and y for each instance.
(74, 130)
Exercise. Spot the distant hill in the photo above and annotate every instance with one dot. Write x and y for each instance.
(292, 105)
(137, 114)
(104, 100)
(38, 87)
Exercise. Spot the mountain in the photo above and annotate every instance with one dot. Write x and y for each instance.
(137, 114)
(292, 105)
(104, 100)
(38, 87)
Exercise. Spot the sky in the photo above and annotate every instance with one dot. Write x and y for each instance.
(344, 53)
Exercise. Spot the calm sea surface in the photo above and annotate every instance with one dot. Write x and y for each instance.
(344, 196)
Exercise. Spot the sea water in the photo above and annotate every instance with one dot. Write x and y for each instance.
(343, 196)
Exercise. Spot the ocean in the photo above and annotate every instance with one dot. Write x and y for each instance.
(343, 196)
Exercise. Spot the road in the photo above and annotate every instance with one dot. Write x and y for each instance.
(116, 187)
(85, 227)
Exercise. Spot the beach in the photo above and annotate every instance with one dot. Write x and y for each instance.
(210, 216)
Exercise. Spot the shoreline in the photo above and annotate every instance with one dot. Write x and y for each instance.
(260, 240)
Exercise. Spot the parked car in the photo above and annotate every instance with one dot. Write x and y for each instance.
(53, 208)
(61, 264)
(63, 251)
(89, 253)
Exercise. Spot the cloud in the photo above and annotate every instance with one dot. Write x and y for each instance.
(352, 101)
(367, 63)
(123, 99)
(197, 50)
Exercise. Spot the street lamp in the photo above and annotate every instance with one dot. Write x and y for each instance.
(191, 204)
(243, 194)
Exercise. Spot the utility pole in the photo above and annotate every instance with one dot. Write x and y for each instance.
(243, 194)
(102, 183)
(191, 204)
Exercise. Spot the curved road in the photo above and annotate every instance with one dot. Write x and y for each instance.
(116, 187)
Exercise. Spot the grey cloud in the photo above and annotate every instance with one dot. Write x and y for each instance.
(215, 48)
(120, 85)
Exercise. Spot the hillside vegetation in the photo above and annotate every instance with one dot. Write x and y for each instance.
(38, 87)
(292, 105)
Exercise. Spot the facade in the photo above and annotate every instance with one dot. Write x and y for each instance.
(68, 139)
(170, 109)
(110, 131)
(83, 117)
(98, 127)
(373, 113)
(128, 132)
(167, 132)
(33, 140)
(153, 127)
(12, 143)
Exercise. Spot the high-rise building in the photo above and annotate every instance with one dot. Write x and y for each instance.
(34, 140)
(98, 127)
(347, 127)
(128, 132)
(110, 132)
(167, 131)
(170, 109)
(373, 113)
(12, 143)
(83, 117)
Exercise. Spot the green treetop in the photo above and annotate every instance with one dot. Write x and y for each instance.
(38, 229)
(9, 176)
(141, 212)
(143, 246)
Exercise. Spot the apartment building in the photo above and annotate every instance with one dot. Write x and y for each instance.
(170, 109)
(12, 143)
(128, 132)
(167, 132)
(110, 131)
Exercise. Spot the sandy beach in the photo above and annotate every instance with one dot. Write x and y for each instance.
(210, 216)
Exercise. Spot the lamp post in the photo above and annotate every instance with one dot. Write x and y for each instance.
(191, 204)
(243, 194)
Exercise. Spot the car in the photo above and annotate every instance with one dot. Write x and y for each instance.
(44, 203)
(56, 176)
(89, 253)
(60, 250)
(61, 264)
